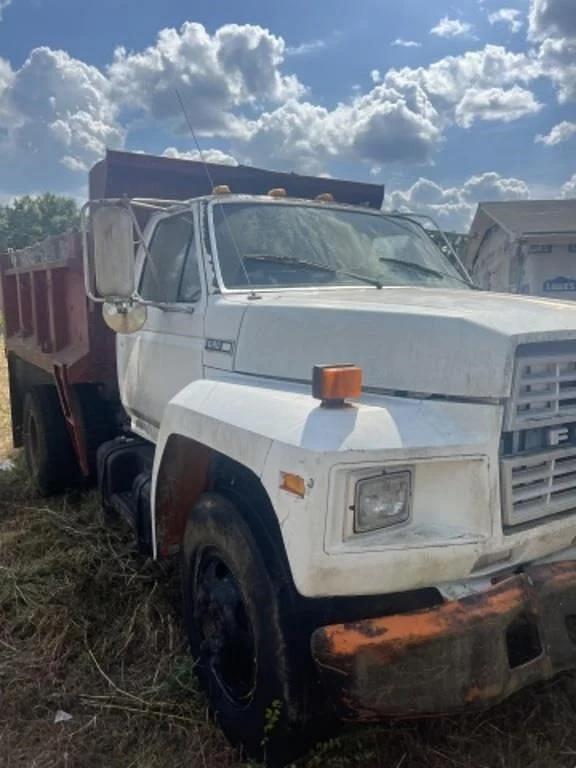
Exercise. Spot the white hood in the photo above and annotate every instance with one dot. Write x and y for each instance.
(456, 343)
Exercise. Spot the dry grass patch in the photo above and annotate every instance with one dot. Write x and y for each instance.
(92, 630)
(5, 431)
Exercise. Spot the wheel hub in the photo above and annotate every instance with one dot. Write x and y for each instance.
(227, 638)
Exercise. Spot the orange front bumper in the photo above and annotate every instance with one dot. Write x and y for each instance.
(462, 654)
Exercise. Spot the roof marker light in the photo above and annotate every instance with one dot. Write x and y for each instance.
(221, 189)
(325, 197)
(277, 192)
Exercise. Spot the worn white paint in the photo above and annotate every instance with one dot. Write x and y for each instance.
(425, 340)
(254, 404)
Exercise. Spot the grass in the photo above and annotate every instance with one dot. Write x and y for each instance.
(5, 432)
(89, 628)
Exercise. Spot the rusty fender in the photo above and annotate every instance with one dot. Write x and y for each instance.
(463, 654)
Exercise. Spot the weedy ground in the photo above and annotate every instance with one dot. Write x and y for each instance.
(91, 629)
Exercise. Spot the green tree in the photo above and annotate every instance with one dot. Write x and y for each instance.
(31, 218)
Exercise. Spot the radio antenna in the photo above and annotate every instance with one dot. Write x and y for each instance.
(188, 119)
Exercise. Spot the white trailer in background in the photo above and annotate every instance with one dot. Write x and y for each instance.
(525, 246)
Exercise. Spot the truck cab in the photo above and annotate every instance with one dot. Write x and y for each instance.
(204, 269)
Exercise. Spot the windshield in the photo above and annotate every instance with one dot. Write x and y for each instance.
(264, 245)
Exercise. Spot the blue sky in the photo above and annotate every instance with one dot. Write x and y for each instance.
(445, 102)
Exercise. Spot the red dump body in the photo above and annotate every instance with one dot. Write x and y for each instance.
(48, 319)
(55, 336)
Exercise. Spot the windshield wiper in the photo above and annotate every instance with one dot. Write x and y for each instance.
(413, 265)
(424, 270)
(315, 265)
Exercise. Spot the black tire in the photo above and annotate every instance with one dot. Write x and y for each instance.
(47, 445)
(235, 626)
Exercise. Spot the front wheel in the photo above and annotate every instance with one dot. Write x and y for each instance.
(235, 626)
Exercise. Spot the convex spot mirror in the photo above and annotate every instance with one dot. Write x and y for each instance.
(113, 233)
(125, 317)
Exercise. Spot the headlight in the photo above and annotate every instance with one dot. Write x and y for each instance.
(382, 501)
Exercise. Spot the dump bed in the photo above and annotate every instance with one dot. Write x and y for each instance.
(56, 342)
(48, 320)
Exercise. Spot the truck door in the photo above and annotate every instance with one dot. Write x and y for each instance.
(166, 354)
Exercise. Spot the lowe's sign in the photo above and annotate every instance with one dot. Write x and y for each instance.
(559, 284)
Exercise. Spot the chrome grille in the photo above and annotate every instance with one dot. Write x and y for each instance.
(544, 391)
(538, 464)
(538, 486)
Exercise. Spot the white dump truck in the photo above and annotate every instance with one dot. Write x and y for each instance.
(367, 465)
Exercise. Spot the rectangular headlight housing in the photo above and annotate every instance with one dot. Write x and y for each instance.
(382, 501)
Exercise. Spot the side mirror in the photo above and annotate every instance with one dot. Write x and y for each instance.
(113, 234)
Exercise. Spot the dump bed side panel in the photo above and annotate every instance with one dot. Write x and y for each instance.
(48, 320)
(55, 337)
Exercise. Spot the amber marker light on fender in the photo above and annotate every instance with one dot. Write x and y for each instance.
(293, 484)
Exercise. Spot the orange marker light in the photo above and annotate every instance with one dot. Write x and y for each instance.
(277, 192)
(333, 384)
(221, 189)
(325, 197)
(293, 484)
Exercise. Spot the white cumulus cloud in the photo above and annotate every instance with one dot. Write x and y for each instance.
(495, 104)
(552, 18)
(57, 113)
(511, 17)
(453, 207)
(569, 188)
(553, 24)
(208, 155)
(6, 78)
(448, 27)
(557, 59)
(391, 126)
(236, 66)
(3, 5)
(307, 48)
(447, 80)
(559, 133)
(383, 126)
(401, 43)
(493, 186)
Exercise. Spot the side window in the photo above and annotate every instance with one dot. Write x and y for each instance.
(172, 274)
